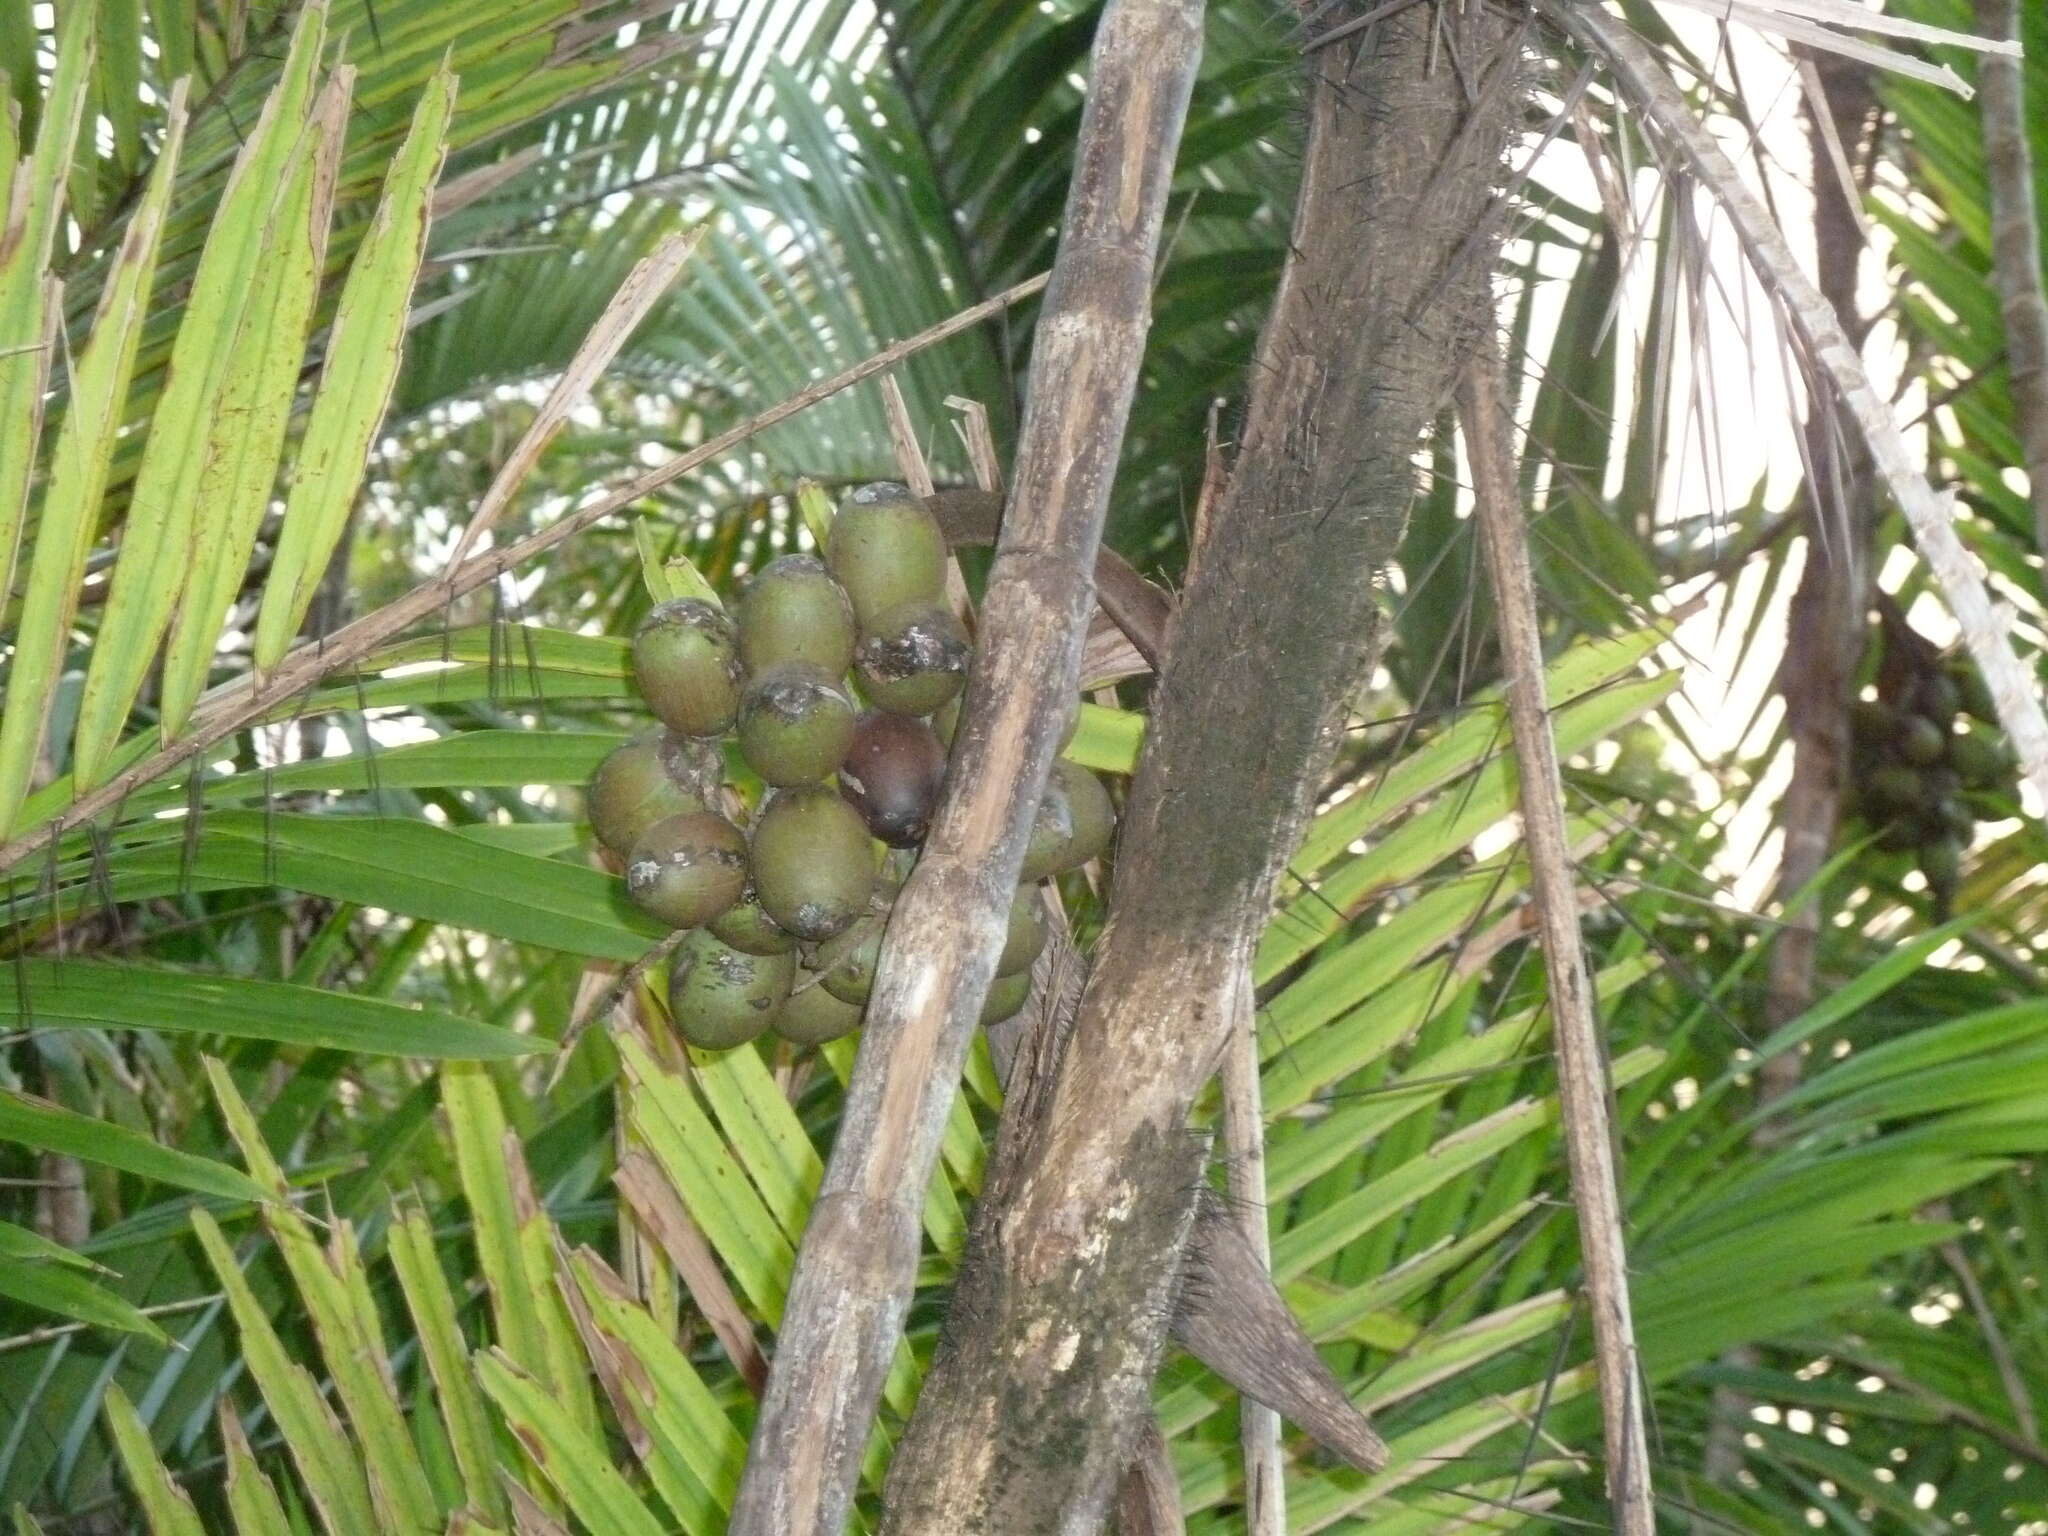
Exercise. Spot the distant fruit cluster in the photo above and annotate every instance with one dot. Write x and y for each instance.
(785, 908)
(1928, 760)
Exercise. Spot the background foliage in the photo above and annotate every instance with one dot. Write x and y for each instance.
(407, 1270)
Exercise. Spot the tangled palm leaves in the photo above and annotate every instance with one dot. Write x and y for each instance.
(331, 962)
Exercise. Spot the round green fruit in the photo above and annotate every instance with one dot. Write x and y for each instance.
(720, 997)
(1094, 812)
(1026, 936)
(794, 611)
(1074, 823)
(637, 785)
(1973, 694)
(913, 658)
(744, 925)
(886, 550)
(812, 1015)
(1920, 741)
(1007, 996)
(848, 961)
(1941, 861)
(814, 868)
(1981, 760)
(686, 662)
(892, 776)
(1937, 696)
(685, 870)
(1895, 789)
(1873, 720)
(796, 723)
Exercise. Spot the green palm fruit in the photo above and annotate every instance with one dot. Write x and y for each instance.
(1981, 760)
(1007, 996)
(1052, 832)
(1973, 694)
(1873, 720)
(1956, 820)
(685, 870)
(794, 611)
(796, 723)
(892, 775)
(720, 997)
(946, 719)
(1094, 812)
(848, 960)
(686, 662)
(1920, 741)
(812, 1015)
(744, 925)
(1026, 936)
(886, 550)
(1936, 696)
(913, 658)
(814, 867)
(1895, 789)
(637, 785)
(1941, 861)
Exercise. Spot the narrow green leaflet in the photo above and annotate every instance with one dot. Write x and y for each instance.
(83, 994)
(49, 1285)
(164, 1504)
(251, 1498)
(432, 1307)
(351, 1340)
(257, 389)
(78, 479)
(29, 304)
(355, 385)
(19, 1244)
(326, 1459)
(187, 428)
(579, 1466)
(48, 1127)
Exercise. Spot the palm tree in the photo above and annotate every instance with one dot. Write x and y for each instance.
(315, 1215)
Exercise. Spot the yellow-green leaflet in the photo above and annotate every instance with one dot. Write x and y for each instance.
(187, 426)
(28, 304)
(356, 383)
(78, 478)
(256, 393)
(163, 1502)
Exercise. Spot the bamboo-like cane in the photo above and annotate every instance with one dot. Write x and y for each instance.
(856, 1267)
(1582, 1087)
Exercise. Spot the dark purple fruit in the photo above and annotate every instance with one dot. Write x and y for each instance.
(892, 775)
(686, 870)
(686, 662)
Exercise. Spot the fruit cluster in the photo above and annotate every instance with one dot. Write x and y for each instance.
(785, 907)
(1924, 774)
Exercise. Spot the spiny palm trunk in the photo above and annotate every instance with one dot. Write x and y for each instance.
(1060, 1313)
